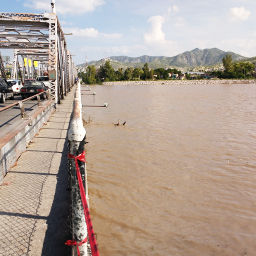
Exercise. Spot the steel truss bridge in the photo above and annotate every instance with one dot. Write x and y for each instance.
(39, 37)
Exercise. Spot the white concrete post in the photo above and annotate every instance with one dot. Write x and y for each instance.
(76, 137)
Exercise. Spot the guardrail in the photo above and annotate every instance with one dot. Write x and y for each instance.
(21, 105)
(82, 230)
(15, 139)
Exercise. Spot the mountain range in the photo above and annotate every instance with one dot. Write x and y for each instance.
(188, 59)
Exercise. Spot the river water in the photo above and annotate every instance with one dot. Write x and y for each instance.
(179, 178)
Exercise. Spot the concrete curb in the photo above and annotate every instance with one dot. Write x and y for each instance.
(14, 143)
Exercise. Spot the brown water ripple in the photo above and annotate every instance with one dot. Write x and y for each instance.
(179, 178)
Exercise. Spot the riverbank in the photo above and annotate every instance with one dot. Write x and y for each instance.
(181, 82)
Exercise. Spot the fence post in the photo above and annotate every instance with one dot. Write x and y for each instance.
(48, 95)
(38, 100)
(76, 138)
(22, 110)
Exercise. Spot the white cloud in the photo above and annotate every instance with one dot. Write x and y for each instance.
(38, 5)
(179, 22)
(243, 46)
(65, 23)
(156, 33)
(173, 9)
(83, 32)
(239, 13)
(111, 35)
(65, 6)
(91, 33)
(155, 40)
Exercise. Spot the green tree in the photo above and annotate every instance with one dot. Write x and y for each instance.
(137, 73)
(120, 74)
(106, 72)
(166, 74)
(90, 75)
(160, 73)
(128, 74)
(243, 70)
(82, 76)
(227, 63)
(151, 74)
(146, 72)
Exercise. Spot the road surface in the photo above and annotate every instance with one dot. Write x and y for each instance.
(10, 116)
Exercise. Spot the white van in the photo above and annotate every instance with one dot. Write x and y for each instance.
(16, 85)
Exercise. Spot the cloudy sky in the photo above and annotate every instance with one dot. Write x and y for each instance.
(103, 28)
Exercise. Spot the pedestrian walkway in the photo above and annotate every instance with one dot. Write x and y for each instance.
(34, 196)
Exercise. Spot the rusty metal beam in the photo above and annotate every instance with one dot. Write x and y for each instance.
(23, 45)
(24, 17)
(24, 36)
(33, 52)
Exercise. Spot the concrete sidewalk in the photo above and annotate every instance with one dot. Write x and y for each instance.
(34, 197)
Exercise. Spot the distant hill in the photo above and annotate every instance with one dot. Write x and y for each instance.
(252, 60)
(188, 59)
(205, 57)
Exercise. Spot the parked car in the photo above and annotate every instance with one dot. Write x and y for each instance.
(28, 81)
(16, 85)
(31, 88)
(5, 90)
(44, 79)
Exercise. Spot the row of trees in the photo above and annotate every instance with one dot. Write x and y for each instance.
(238, 70)
(232, 70)
(107, 73)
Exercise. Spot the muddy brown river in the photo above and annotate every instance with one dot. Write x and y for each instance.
(179, 178)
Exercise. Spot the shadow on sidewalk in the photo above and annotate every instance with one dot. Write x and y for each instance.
(58, 231)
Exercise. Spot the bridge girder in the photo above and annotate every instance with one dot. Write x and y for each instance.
(40, 37)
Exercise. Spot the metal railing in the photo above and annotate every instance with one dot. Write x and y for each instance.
(21, 102)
